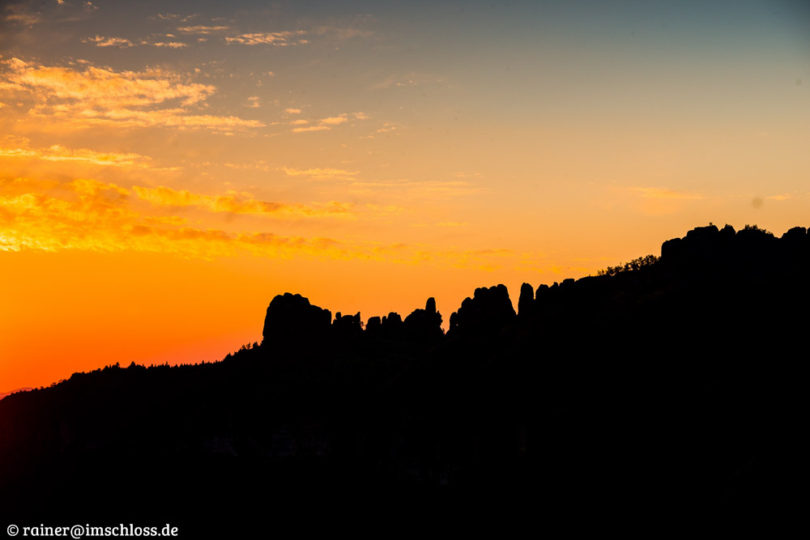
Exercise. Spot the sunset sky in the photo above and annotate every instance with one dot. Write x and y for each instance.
(166, 168)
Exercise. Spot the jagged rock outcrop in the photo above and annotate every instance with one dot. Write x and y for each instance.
(374, 326)
(667, 380)
(424, 324)
(347, 326)
(697, 245)
(486, 313)
(291, 318)
(542, 289)
(387, 327)
(709, 248)
(392, 325)
(526, 301)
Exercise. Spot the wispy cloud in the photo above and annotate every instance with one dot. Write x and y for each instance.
(60, 153)
(238, 203)
(123, 43)
(98, 95)
(201, 29)
(387, 127)
(90, 215)
(276, 39)
(87, 214)
(101, 41)
(321, 173)
(326, 124)
(18, 14)
(105, 87)
(167, 16)
(167, 44)
(334, 120)
(310, 128)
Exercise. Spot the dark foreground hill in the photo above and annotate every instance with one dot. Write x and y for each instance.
(672, 382)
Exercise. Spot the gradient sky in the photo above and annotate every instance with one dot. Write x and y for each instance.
(166, 168)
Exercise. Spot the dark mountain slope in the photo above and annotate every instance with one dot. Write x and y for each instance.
(672, 382)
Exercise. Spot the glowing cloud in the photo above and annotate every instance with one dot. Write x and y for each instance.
(103, 87)
(101, 41)
(321, 174)
(168, 44)
(93, 95)
(325, 124)
(237, 203)
(90, 215)
(203, 29)
(310, 128)
(87, 214)
(334, 120)
(277, 39)
(60, 153)
(18, 15)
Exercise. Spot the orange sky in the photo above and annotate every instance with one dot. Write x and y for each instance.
(165, 172)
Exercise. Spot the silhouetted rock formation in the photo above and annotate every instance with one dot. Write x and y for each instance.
(526, 300)
(374, 326)
(659, 382)
(389, 327)
(424, 324)
(347, 326)
(292, 319)
(488, 311)
(709, 249)
(392, 325)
